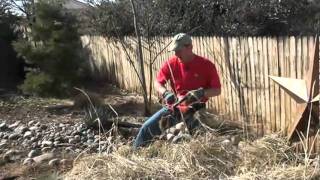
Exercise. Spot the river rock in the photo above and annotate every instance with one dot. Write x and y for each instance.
(226, 143)
(14, 136)
(27, 134)
(235, 140)
(181, 137)
(14, 125)
(3, 126)
(30, 123)
(21, 129)
(3, 145)
(28, 161)
(12, 155)
(46, 149)
(43, 157)
(46, 143)
(34, 153)
(54, 162)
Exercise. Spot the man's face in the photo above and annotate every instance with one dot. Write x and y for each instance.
(184, 52)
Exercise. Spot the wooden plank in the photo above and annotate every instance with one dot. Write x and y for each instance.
(247, 82)
(293, 74)
(277, 88)
(271, 58)
(287, 98)
(209, 45)
(228, 100)
(204, 52)
(310, 51)
(220, 65)
(281, 73)
(233, 77)
(237, 63)
(261, 87)
(216, 62)
(253, 80)
(256, 85)
(223, 95)
(242, 80)
(265, 69)
(237, 66)
(305, 56)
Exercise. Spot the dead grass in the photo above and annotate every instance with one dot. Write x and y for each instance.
(205, 157)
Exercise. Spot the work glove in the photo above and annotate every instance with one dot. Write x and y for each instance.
(168, 97)
(195, 95)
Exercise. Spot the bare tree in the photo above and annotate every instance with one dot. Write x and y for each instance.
(140, 57)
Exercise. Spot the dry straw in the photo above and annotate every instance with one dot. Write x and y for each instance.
(205, 157)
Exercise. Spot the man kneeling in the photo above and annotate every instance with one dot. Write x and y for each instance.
(193, 79)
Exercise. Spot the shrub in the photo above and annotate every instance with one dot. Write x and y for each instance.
(53, 48)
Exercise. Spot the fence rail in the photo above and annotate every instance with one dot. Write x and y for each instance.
(244, 63)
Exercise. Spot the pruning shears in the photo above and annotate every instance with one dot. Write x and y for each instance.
(185, 108)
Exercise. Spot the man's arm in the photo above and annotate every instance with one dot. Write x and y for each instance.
(212, 92)
(159, 87)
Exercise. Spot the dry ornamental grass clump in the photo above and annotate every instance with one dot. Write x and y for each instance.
(204, 157)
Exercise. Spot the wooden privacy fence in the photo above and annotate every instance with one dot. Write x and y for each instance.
(244, 63)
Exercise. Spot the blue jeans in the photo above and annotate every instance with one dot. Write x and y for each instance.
(151, 127)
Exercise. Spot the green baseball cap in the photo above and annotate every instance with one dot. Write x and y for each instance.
(179, 41)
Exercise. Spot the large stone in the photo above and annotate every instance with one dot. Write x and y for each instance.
(169, 137)
(21, 129)
(30, 123)
(56, 143)
(27, 134)
(226, 143)
(69, 149)
(236, 139)
(90, 141)
(72, 141)
(5, 136)
(43, 157)
(64, 161)
(46, 143)
(38, 124)
(181, 137)
(46, 149)
(14, 136)
(3, 145)
(12, 155)
(77, 137)
(33, 128)
(43, 127)
(54, 162)
(14, 125)
(58, 138)
(28, 161)
(34, 153)
(3, 126)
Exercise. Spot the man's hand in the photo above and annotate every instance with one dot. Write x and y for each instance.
(168, 97)
(195, 95)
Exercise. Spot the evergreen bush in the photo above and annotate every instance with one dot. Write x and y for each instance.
(53, 48)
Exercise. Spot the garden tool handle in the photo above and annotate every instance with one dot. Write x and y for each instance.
(179, 102)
